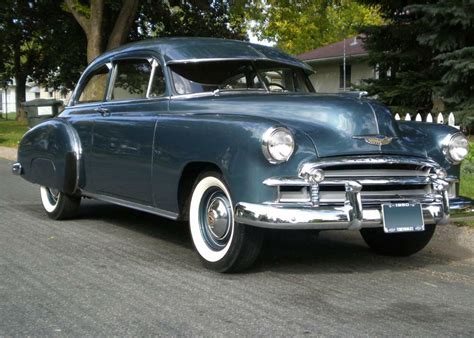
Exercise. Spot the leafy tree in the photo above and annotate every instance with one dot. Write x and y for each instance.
(407, 72)
(210, 18)
(449, 34)
(108, 24)
(94, 15)
(424, 51)
(33, 46)
(299, 26)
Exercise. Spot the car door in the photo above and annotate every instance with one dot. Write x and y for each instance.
(83, 111)
(123, 133)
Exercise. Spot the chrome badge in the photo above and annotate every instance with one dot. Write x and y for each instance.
(375, 140)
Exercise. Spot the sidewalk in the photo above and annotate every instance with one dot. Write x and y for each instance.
(8, 153)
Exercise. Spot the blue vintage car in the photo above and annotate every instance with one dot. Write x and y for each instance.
(232, 137)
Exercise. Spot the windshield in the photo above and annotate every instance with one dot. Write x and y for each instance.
(238, 75)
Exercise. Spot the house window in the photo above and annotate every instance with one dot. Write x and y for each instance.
(37, 95)
(341, 76)
(50, 94)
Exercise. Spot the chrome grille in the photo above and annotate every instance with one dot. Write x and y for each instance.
(392, 178)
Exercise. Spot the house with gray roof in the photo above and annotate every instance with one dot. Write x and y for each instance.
(328, 64)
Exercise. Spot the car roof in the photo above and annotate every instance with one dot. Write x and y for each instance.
(192, 49)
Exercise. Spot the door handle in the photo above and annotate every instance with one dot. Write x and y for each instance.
(103, 111)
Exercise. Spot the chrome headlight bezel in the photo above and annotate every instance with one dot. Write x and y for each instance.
(453, 142)
(268, 141)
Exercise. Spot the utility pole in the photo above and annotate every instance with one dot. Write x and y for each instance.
(344, 66)
(6, 99)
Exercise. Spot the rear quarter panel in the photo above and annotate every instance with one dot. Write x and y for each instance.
(49, 154)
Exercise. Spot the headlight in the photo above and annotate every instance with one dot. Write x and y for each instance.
(457, 148)
(278, 145)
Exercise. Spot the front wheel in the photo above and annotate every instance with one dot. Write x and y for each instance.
(222, 244)
(59, 205)
(398, 244)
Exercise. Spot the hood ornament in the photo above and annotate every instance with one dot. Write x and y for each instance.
(375, 140)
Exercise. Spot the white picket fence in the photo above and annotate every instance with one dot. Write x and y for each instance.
(430, 119)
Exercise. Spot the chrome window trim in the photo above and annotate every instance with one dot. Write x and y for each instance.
(137, 206)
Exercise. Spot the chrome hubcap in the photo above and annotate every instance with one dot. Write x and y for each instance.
(216, 219)
(53, 195)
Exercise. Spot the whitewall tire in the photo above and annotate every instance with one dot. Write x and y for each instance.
(222, 244)
(59, 205)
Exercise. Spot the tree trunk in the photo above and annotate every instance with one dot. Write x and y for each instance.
(123, 24)
(94, 35)
(92, 26)
(20, 93)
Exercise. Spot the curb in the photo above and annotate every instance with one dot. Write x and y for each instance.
(8, 153)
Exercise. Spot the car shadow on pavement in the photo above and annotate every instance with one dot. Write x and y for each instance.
(283, 251)
(142, 222)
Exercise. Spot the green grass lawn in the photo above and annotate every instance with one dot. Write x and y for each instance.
(11, 132)
(467, 186)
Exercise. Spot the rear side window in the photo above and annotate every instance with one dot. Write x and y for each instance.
(131, 81)
(94, 90)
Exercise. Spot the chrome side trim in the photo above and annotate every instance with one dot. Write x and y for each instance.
(132, 205)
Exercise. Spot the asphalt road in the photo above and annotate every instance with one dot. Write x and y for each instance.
(114, 271)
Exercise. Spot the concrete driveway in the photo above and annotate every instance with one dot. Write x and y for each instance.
(115, 271)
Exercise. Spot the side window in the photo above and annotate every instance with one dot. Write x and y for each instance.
(94, 90)
(158, 86)
(131, 80)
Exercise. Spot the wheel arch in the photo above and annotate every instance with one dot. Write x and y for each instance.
(188, 178)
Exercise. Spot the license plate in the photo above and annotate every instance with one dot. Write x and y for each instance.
(402, 217)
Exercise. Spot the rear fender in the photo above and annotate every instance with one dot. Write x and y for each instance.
(50, 155)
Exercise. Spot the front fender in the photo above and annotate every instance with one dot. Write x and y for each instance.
(431, 137)
(232, 143)
(50, 154)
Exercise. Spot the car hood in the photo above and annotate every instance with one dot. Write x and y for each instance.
(334, 123)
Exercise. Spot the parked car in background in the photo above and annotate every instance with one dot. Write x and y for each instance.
(231, 137)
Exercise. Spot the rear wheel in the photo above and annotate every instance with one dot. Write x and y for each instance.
(398, 244)
(222, 244)
(59, 205)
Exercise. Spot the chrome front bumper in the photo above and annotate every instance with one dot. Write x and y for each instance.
(357, 209)
(347, 217)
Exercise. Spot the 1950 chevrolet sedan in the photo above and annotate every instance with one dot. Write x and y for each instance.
(232, 137)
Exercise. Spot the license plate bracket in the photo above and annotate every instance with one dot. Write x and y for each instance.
(402, 217)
